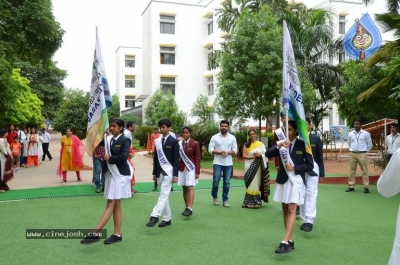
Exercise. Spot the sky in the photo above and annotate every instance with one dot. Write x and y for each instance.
(119, 23)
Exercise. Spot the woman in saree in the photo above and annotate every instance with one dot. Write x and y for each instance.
(256, 177)
(6, 164)
(71, 156)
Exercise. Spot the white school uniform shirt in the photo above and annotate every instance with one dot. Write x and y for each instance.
(392, 143)
(360, 141)
(221, 143)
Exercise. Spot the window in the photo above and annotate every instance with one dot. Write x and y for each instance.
(167, 24)
(167, 55)
(342, 24)
(210, 28)
(130, 101)
(130, 81)
(167, 83)
(130, 61)
(209, 52)
(342, 57)
(210, 86)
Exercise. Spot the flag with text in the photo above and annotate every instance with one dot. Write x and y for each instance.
(100, 101)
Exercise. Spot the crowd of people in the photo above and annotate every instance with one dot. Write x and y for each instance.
(19, 147)
(178, 161)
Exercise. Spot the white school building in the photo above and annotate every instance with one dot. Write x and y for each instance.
(177, 36)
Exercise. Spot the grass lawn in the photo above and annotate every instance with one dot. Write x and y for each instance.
(351, 228)
(238, 164)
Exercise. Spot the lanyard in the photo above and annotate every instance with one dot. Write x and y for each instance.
(394, 139)
(359, 134)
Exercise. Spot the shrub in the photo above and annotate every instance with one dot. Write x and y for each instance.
(141, 134)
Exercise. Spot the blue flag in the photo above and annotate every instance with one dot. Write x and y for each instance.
(363, 39)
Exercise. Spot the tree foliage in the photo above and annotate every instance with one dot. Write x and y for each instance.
(130, 117)
(29, 37)
(163, 105)
(46, 83)
(202, 109)
(72, 113)
(114, 110)
(25, 107)
(251, 76)
(358, 78)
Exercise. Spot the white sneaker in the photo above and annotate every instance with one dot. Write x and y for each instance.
(16, 169)
(226, 204)
(216, 202)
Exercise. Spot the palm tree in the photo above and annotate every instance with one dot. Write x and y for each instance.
(393, 6)
(313, 43)
(230, 12)
(387, 56)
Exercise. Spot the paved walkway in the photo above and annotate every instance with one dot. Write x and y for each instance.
(45, 174)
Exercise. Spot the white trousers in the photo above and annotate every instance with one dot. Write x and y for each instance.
(162, 206)
(308, 210)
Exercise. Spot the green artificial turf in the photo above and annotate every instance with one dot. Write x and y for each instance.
(89, 190)
(351, 228)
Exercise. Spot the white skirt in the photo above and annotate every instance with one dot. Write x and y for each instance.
(187, 178)
(114, 190)
(288, 193)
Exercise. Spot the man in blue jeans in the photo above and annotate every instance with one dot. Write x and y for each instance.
(98, 165)
(223, 145)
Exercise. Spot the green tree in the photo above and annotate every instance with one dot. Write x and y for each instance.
(73, 113)
(358, 78)
(163, 105)
(202, 109)
(28, 30)
(114, 110)
(130, 117)
(46, 83)
(29, 37)
(25, 107)
(251, 77)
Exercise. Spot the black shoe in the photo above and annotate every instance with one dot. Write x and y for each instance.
(50, 159)
(283, 248)
(187, 212)
(349, 189)
(366, 190)
(113, 239)
(165, 223)
(297, 212)
(302, 226)
(152, 222)
(90, 239)
(308, 227)
(172, 188)
(291, 244)
(102, 189)
(154, 188)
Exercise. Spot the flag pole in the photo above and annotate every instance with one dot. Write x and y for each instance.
(287, 124)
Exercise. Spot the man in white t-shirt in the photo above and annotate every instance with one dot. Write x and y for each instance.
(223, 146)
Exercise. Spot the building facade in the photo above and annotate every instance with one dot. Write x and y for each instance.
(178, 36)
(128, 77)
